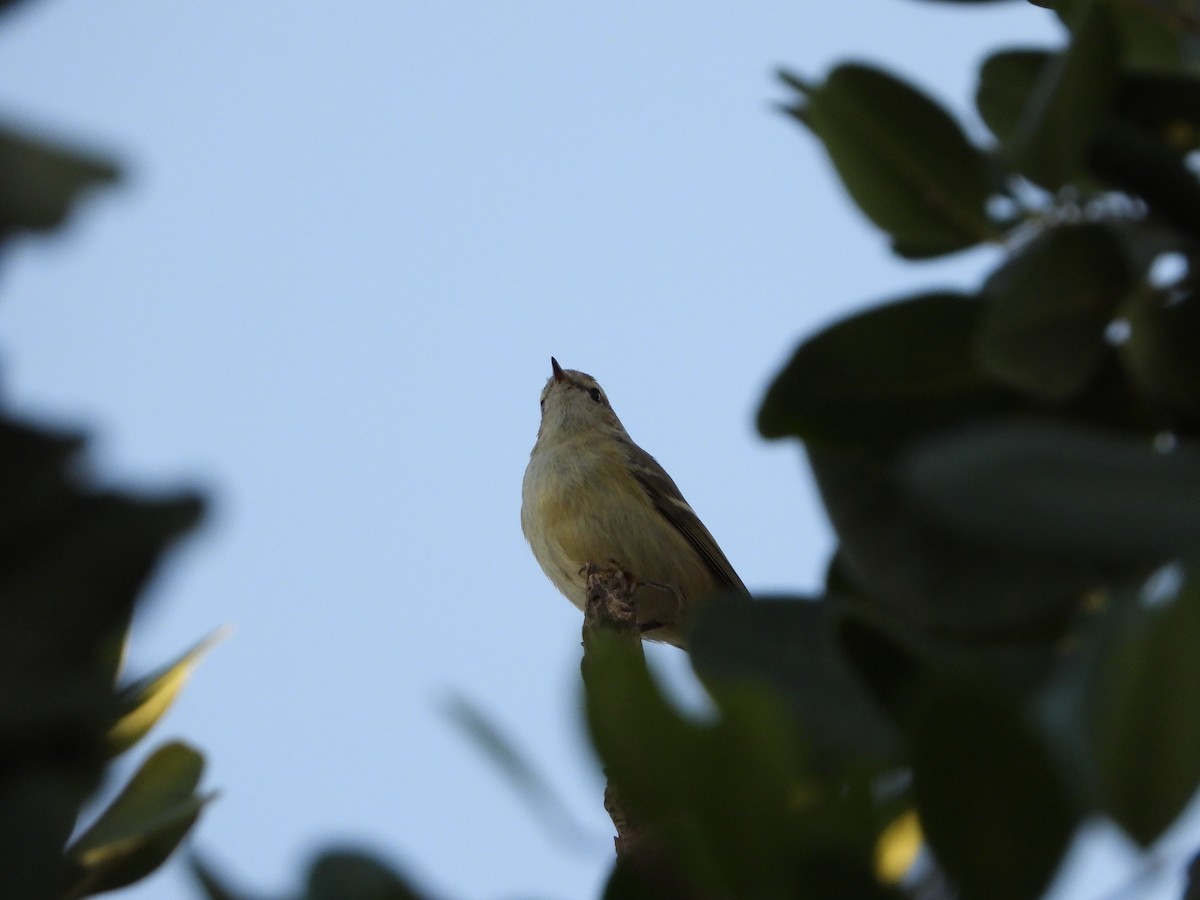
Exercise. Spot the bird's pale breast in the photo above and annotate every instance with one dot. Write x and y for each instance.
(570, 519)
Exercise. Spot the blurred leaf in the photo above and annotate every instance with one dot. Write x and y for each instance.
(1066, 104)
(1064, 709)
(350, 875)
(1136, 163)
(1007, 80)
(902, 157)
(70, 575)
(6, 5)
(630, 881)
(547, 806)
(884, 374)
(888, 666)
(208, 881)
(1160, 353)
(39, 181)
(142, 703)
(1111, 402)
(660, 764)
(791, 644)
(40, 797)
(1064, 489)
(1144, 240)
(731, 802)
(930, 572)
(894, 657)
(1192, 892)
(990, 800)
(144, 824)
(1146, 735)
(71, 570)
(1047, 310)
(71, 562)
(1158, 36)
(32, 464)
(1165, 105)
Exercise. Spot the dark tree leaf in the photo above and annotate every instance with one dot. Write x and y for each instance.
(1157, 36)
(732, 802)
(1066, 104)
(349, 875)
(1006, 83)
(990, 798)
(888, 667)
(71, 563)
(1047, 310)
(902, 157)
(40, 797)
(884, 374)
(39, 181)
(1164, 105)
(144, 824)
(210, 883)
(1146, 734)
(792, 645)
(933, 574)
(694, 783)
(1147, 167)
(6, 5)
(32, 463)
(1161, 353)
(1062, 489)
(1193, 879)
(70, 577)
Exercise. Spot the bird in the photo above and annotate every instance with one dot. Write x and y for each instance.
(591, 496)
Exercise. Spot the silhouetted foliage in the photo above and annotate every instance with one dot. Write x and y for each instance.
(1014, 479)
(1007, 645)
(1007, 642)
(73, 558)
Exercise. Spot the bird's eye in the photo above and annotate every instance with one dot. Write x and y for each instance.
(595, 394)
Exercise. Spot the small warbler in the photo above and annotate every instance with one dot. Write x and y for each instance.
(591, 495)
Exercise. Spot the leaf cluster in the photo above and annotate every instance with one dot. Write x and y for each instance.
(1006, 644)
(74, 557)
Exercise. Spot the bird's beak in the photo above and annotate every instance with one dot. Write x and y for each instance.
(557, 369)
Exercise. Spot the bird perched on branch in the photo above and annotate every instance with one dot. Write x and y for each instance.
(591, 496)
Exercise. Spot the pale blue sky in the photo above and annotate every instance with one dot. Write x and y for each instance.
(349, 240)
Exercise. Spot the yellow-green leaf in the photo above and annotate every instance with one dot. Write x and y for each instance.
(142, 703)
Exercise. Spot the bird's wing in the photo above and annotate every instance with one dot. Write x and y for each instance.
(668, 500)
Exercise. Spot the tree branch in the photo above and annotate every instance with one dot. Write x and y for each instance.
(611, 609)
(643, 868)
